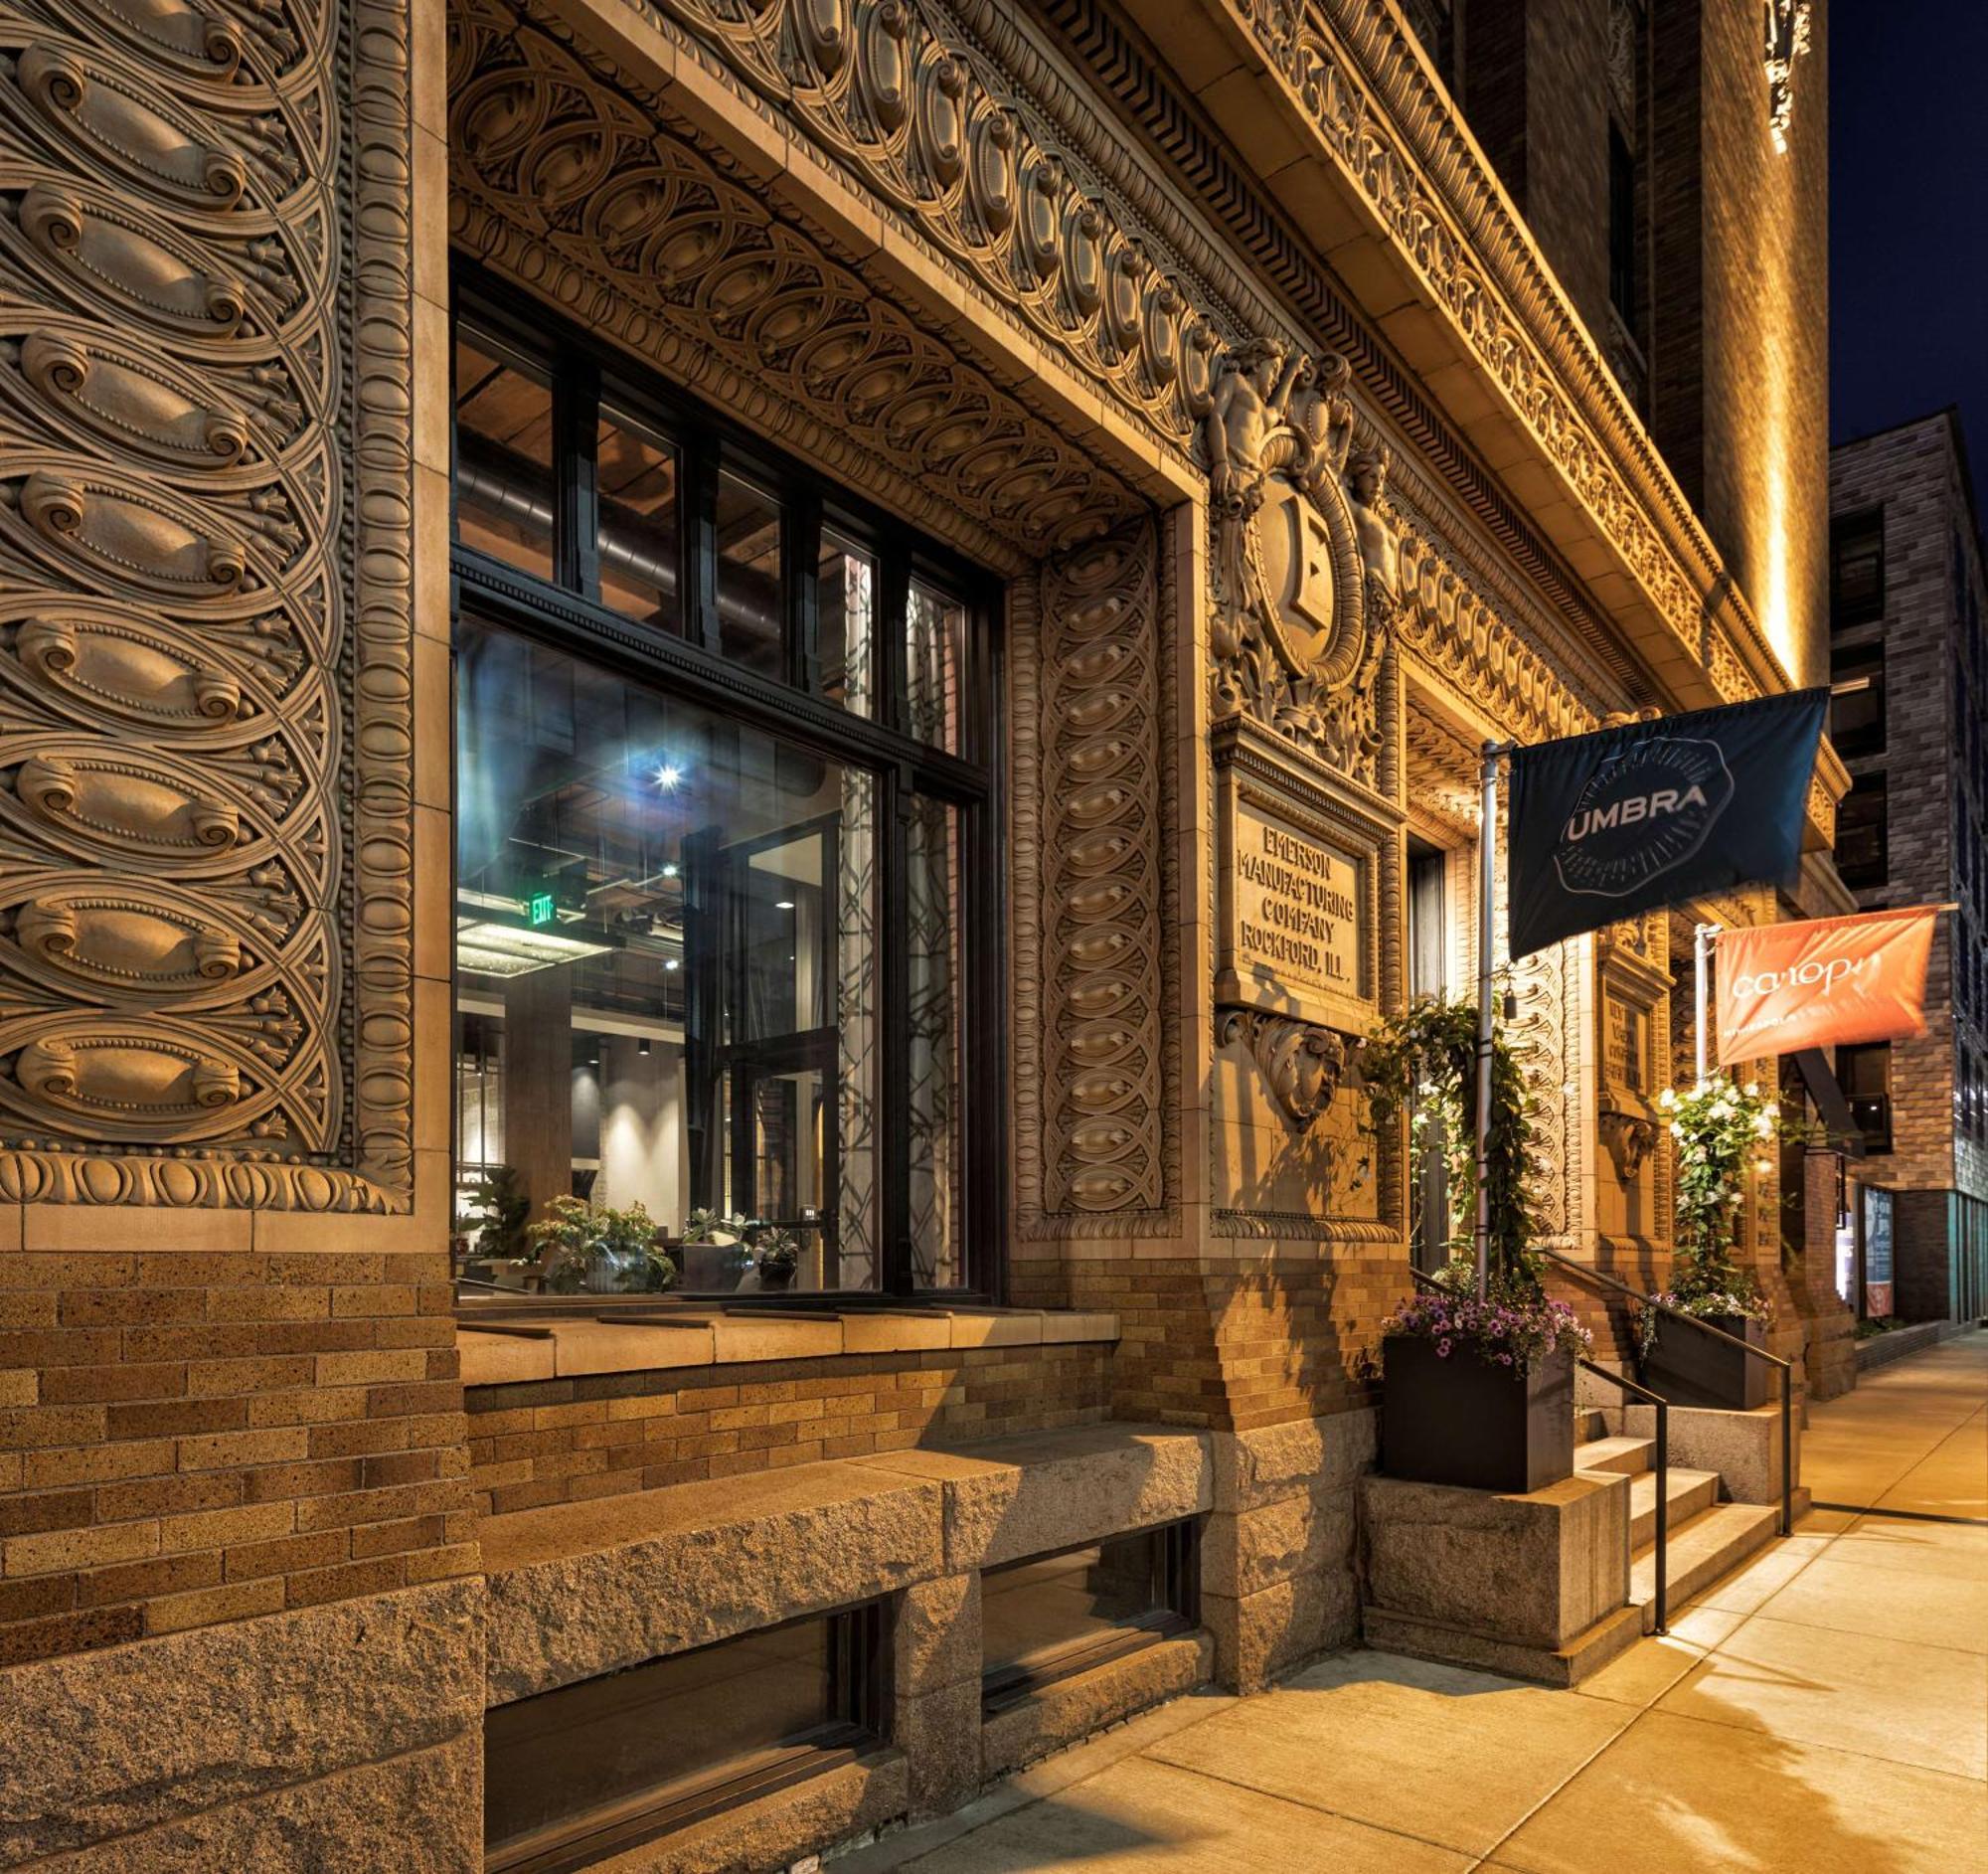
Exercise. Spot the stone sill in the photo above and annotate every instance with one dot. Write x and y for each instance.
(512, 1352)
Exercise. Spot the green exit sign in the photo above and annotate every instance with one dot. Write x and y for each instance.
(542, 910)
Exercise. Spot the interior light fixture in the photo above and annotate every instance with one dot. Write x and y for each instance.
(488, 948)
(783, 903)
(672, 964)
(669, 871)
(669, 777)
(642, 1047)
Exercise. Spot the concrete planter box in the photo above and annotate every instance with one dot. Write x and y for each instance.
(1692, 1369)
(1465, 1419)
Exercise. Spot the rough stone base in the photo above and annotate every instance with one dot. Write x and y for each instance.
(1078, 1707)
(1277, 1551)
(1745, 1448)
(302, 1739)
(1462, 1646)
(1525, 1583)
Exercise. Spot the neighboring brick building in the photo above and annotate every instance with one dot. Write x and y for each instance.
(1909, 659)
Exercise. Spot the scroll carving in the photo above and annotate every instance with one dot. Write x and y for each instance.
(205, 538)
(1301, 1063)
(1304, 582)
(1103, 1100)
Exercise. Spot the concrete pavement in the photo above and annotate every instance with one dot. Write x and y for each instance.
(1822, 1711)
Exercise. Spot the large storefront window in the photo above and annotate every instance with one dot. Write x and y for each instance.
(722, 864)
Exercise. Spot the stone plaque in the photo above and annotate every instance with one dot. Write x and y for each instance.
(1297, 917)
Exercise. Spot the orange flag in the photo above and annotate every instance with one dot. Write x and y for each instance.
(1783, 987)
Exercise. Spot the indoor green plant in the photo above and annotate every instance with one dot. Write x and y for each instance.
(595, 1248)
(1477, 1390)
(1719, 1130)
(776, 1255)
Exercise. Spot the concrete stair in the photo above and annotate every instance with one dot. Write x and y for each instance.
(1704, 1538)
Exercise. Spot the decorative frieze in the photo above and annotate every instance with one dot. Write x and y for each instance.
(583, 186)
(1100, 876)
(206, 638)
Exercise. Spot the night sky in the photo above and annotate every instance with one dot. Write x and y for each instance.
(1908, 215)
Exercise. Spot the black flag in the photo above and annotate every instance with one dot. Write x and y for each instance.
(1612, 823)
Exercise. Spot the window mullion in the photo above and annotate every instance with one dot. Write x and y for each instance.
(894, 995)
(700, 541)
(893, 598)
(801, 546)
(575, 425)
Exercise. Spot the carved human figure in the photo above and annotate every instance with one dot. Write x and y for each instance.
(1322, 412)
(1367, 480)
(1249, 400)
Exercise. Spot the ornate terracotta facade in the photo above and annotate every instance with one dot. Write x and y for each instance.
(1220, 350)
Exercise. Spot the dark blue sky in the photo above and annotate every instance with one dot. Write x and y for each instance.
(1908, 215)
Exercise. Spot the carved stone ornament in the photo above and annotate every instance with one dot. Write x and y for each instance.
(205, 603)
(1629, 1138)
(1299, 567)
(1301, 1063)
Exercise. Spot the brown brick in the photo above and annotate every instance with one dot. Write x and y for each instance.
(78, 1548)
(385, 1401)
(145, 1581)
(232, 1600)
(271, 1373)
(195, 1269)
(99, 1463)
(223, 1448)
(362, 1438)
(366, 1369)
(121, 1308)
(92, 1385)
(50, 1509)
(334, 1405)
(375, 1298)
(225, 1528)
(441, 1564)
(36, 1596)
(376, 1507)
(168, 1496)
(33, 1428)
(410, 1532)
(400, 1468)
(173, 1417)
(327, 1267)
(281, 1482)
(268, 1305)
(316, 1585)
(287, 1555)
(70, 1633)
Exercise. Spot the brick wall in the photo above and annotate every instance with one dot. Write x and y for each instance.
(189, 1437)
(565, 1441)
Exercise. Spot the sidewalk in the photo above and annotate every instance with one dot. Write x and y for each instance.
(1824, 1711)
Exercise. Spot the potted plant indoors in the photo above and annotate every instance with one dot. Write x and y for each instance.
(499, 1206)
(1719, 1129)
(713, 1251)
(1476, 1390)
(776, 1255)
(595, 1249)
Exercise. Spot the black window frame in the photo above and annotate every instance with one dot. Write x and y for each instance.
(1622, 224)
(1873, 873)
(1857, 691)
(589, 376)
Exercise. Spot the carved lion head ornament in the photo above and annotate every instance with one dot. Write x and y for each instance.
(1304, 563)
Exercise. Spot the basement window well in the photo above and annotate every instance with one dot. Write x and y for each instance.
(573, 1775)
(1051, 1616)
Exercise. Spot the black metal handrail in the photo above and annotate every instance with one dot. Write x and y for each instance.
(1663, 1472)
(1785, 1367)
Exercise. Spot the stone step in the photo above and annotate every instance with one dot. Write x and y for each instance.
(1589, 1423)
(1628, 1455)
(1701, 1553)
(1690, 1492)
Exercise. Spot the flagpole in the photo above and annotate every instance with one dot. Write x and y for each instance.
(1701, 938)
(1487, 853)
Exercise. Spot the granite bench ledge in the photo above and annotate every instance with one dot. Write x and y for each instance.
(576, 1590)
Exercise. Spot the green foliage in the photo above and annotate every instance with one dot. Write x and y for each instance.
(775, 1251)
(592, 1246)
(499, 1207)
(705, 1226)
(1422, 1065)
(1719, 1129)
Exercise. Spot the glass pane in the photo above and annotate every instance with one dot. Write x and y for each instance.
(636, 476)
(934, 625)
(1035, 1610)
(656, 1730)
(666, 965)
(751, 609)
(938, 1187)
(504, 493)
(845, 601)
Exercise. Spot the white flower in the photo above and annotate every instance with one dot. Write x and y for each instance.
(1677, 1131)
(1753, 1089)
(1667, 1100)
(1764, 1124)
